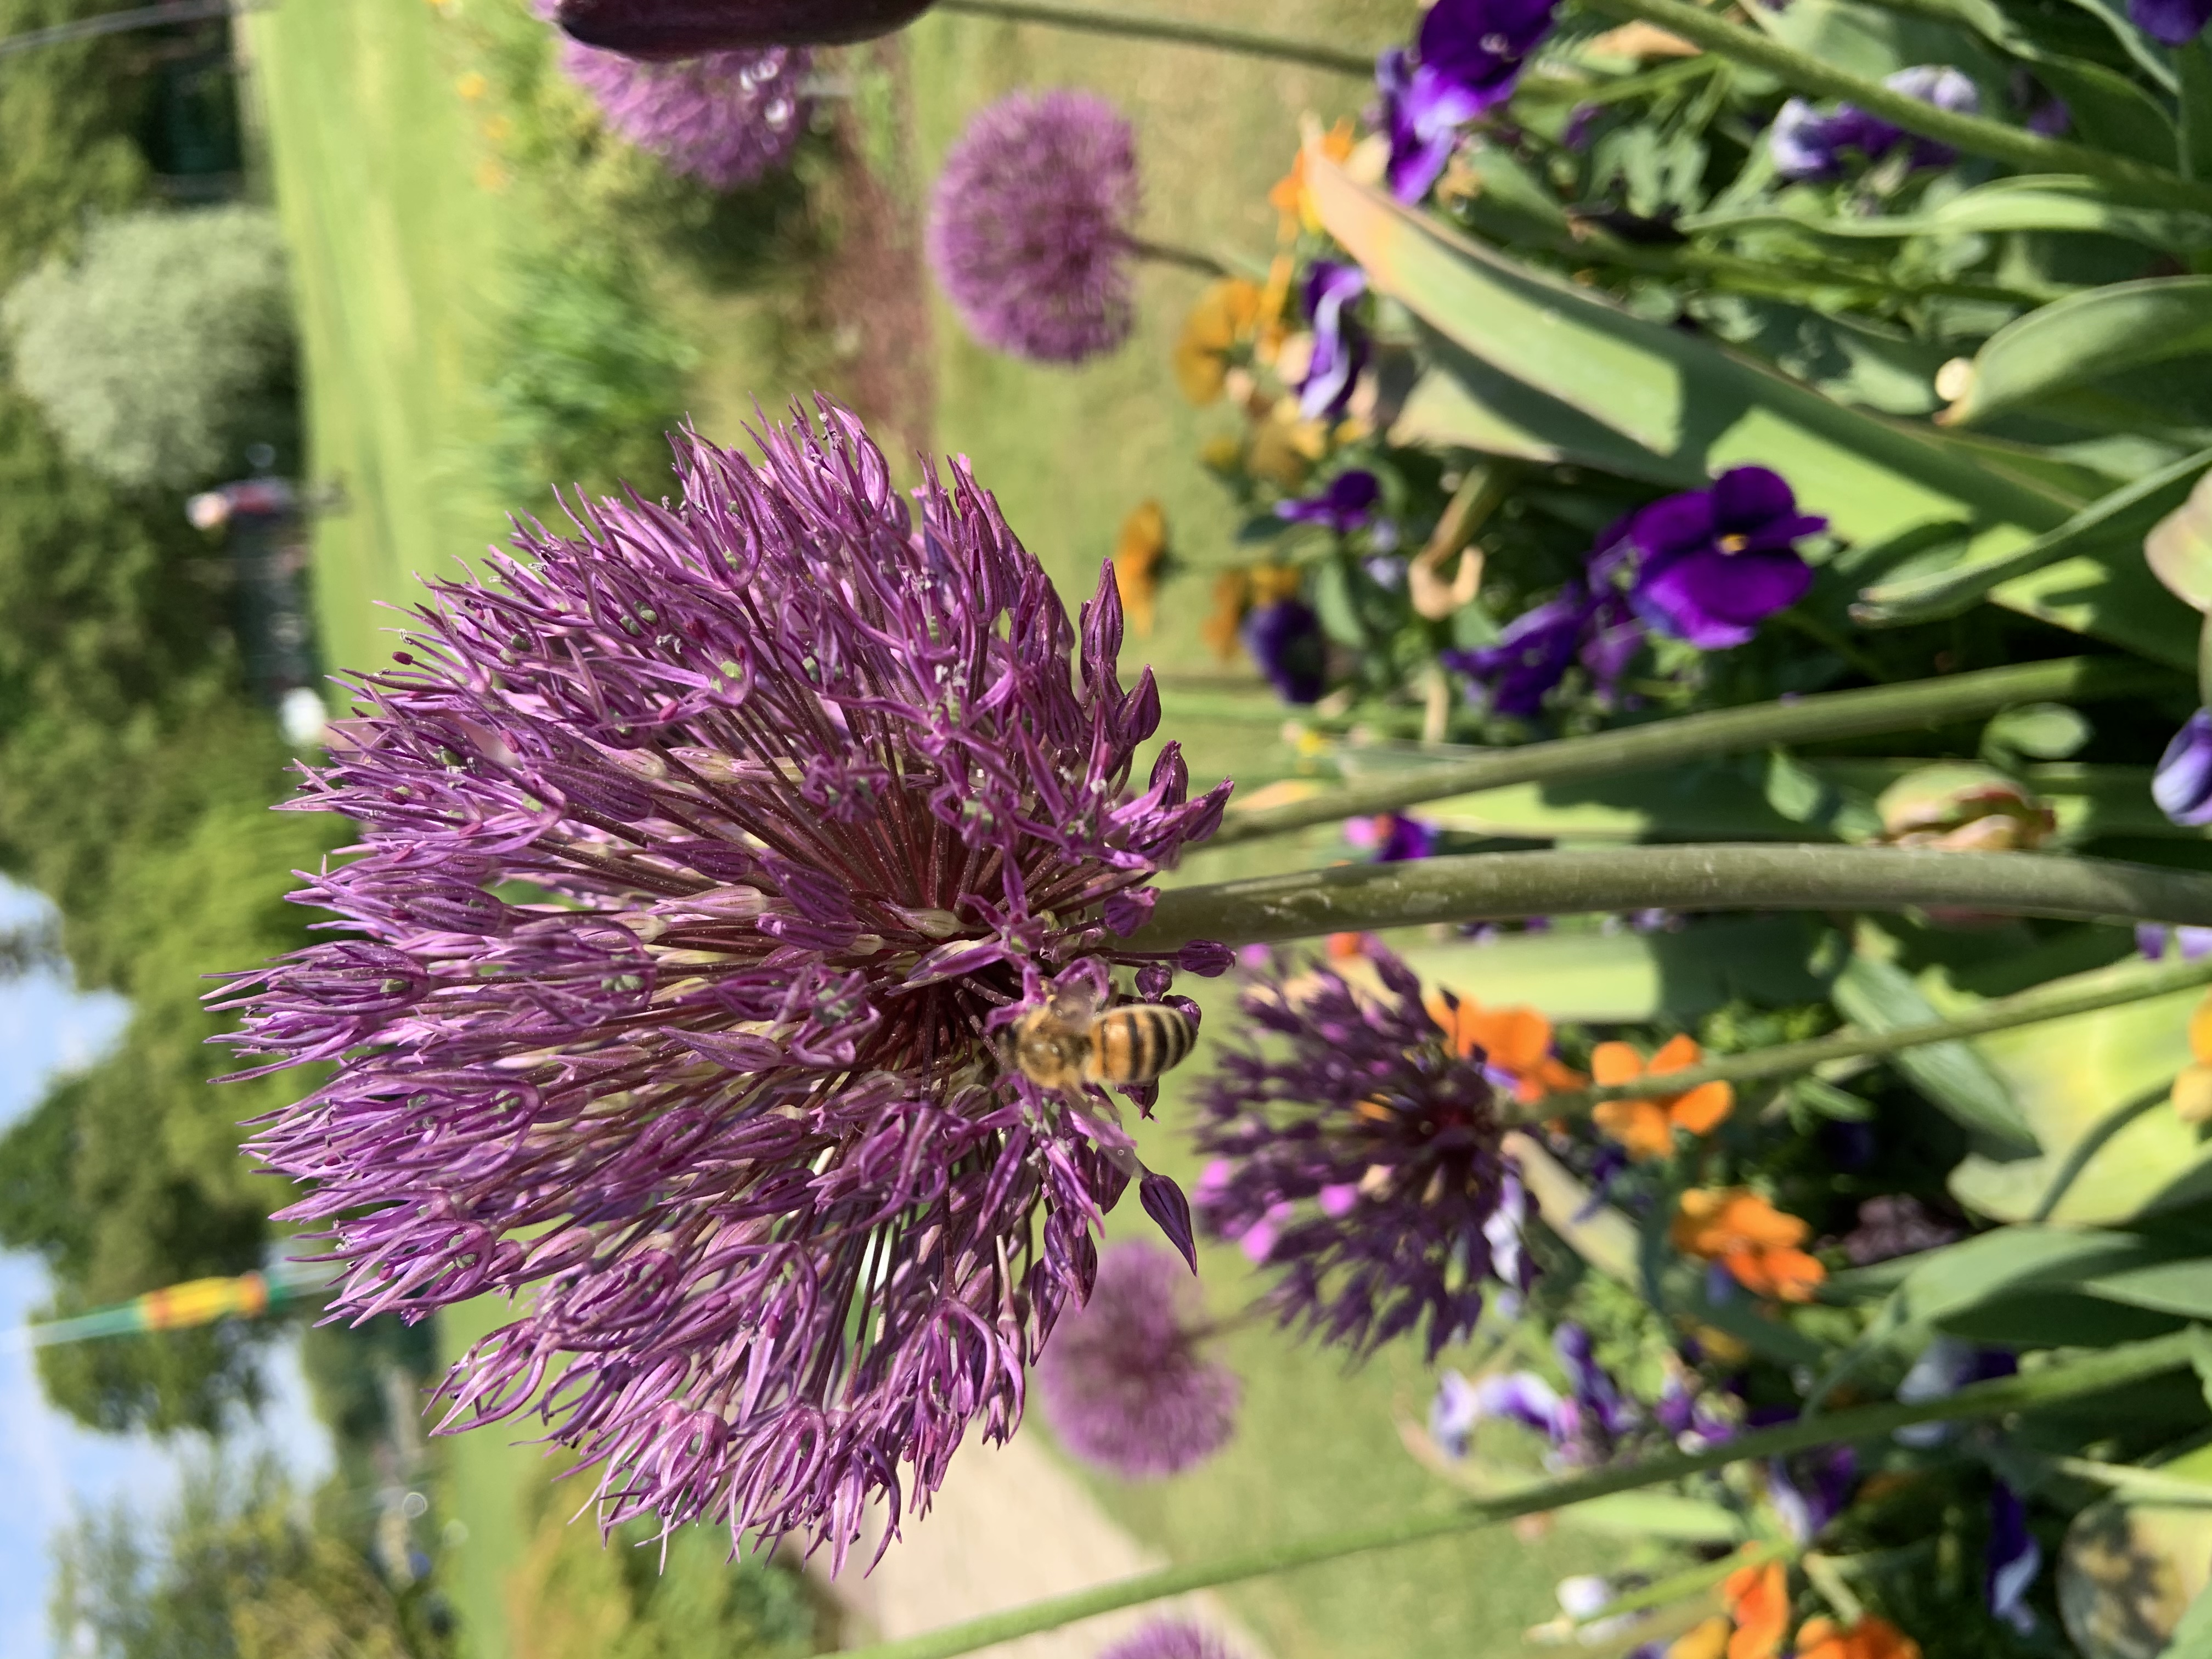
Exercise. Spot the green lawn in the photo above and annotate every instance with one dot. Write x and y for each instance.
(398, 218)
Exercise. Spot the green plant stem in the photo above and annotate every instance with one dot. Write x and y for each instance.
(1349, 898)
(1789, 1058)
(1145, 26)
(1922, 705)
(1974, 134)
(2069, 1379)
(1684, 1585)
(1167, 253)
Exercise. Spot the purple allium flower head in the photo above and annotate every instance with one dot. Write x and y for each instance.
(2182, 786)
(1359, 1089)
(727, 119)
(1169, 1638)
(1030, 226)
(2170, 23)
(1344, 504)
(1465, 59)
(1283, 638)
(1808, 145)
(2014, 1559)
(1339, 339)
(1716, 562)
(814, 784)
(1123, 1382)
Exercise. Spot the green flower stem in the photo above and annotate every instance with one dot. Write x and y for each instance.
(1920, 705)
(2063, 1380)
(1974, 134)
(1789, 1059)
(1145, 26)
(1734, 876)
(1684, 1585)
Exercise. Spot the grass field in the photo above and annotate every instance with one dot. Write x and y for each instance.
(399, 218)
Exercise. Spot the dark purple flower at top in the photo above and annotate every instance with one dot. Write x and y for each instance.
(665, 29)
(1339, 340)
(2170, 23)
(819, 781)
(1123, 1383)
(2182, 785)
(1345, 505)
(1714, 563)
(1283, 638)
(1030, 226)
(1169, 1638)
(1465, 61)
(1371, 1152)
(2014, 1559)
(727, 119)
(1808, 145)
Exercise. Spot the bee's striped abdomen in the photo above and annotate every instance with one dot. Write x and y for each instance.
(1136, 1043)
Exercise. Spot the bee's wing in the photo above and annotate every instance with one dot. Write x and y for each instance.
(1075, 999)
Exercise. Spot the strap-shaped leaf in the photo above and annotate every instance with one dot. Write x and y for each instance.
(2086, 336)
(2047, 202)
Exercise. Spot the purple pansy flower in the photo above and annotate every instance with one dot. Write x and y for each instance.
(1808, 145)
(814, 781)
(2182, 786)
(1811, 1490)
(1591, 1424)
(2170, 23)
(1713, 562)
(1370, 1152)
(2015, 1559)
(2153, 938)
(1345, 505)
(1284, 637)
(1945, 1365)
(1532, 655)
(1123, 1382)
(1392, 837)
(725, 119)
(1339, 340)
(1465, 59)
(1030, 226)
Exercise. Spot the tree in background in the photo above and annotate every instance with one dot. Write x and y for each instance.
(234, 1570)
(164, 347)
(68, 121)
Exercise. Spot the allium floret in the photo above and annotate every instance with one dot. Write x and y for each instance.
(1124, 1384)
(728, 119)
(1359, 1156)
(705, 853)
(1030, 226)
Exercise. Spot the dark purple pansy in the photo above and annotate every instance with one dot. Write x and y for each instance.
(1945, 1365)
(1392, 837)
(1283, 638)
(1339, 340)
(2170, 23)
(2014, 1559)
(2182, 786)
(1807, 144)
(1712, 563)
(1465, 61)
(1367, 1153)
(1532, 655)
(1344, 504)
(2153, 940)
(1810, 1490)
(810, 781)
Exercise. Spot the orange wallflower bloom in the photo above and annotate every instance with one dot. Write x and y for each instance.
(1757, 1600)
(1755, 1241)
(1870, 1639)
(1708, 1639)
(1138, 550)
(1646, 1126)
(1292, 199)
(1517, 1040)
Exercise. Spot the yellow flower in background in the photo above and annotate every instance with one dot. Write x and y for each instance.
(1224, 318)
(1234, 592)
(472, 85)
(1138, 551)
(2192, 1089)
(1291, 199)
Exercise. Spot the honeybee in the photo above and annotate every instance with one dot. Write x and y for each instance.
(1067, 1041)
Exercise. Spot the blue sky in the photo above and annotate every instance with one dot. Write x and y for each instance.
(48, 1465)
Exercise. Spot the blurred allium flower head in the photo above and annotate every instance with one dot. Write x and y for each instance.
(811, 787)
(1170, 1639)
(1030, 222)
(728, 119)
(1358, 1155)
(1124, 1384)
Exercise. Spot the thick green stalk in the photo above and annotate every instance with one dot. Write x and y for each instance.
(1734, 876)
(1974, 134)
(1176, 31)
(1789, 1059)
(2070, 1379)
(1823, 718)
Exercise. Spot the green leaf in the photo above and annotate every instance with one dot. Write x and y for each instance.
(2195, 63)
(2108, 110)
(2041, 202)
(2192, 1636)
(2086, 336)
(2048, 731)
(2180, 548)
(1880, 996)
(2122, 514)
